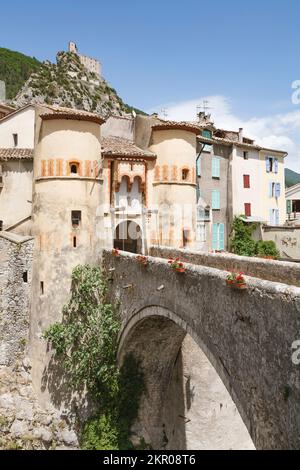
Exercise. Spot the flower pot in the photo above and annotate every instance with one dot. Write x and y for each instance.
(240, 285)
(229, 282)
(179, 270)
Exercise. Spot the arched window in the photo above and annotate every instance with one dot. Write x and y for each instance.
(74, 168)
(185, 174)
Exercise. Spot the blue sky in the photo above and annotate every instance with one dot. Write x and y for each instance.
(243, 55)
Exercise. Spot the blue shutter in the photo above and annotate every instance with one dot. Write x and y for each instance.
(215, 237)
(276, 165)
(270, 189)
(216, 200)
(215, 167)
(222, 237)
(277, 217)
(277, 190)
(268, 166)
(199, 166)
(271, 221)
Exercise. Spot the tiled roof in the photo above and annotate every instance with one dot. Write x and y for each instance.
(58, 112)
(219, 140)
(16, 154)
(120, 147)
(180, 125)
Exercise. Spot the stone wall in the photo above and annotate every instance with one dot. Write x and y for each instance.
(15, 289)
(24, 424)
(277, 271)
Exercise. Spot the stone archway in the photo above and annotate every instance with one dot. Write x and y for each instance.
(128, 237)
(186, 405)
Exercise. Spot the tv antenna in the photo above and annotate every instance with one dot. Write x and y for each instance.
(164, 113)
(203, 107)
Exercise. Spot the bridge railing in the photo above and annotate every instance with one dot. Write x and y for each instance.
(271, 270)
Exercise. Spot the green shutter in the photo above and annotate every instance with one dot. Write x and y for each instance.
(215, 237)
(289, 206)
(215, 167)
(221, 236)
(199, 166)
(216, 200)
(206, 134)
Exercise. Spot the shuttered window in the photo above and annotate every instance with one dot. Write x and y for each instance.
(216, 200)
(215, 167)
(247, 209)
(246, 181)
(218, 238)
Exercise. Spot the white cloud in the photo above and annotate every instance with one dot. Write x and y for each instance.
(278, 131)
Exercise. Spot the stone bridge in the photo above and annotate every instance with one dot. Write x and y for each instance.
(194, 335)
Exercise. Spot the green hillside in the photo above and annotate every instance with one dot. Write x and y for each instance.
(291, 178)
(15, 69)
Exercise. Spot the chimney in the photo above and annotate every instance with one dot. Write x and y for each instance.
(241, 133)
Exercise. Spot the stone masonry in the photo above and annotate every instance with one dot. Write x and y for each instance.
(23, 423)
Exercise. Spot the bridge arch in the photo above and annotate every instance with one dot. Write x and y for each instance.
(189, 402)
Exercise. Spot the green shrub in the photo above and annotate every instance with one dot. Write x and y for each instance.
(86, 342)
(267, 248)
(241, 240)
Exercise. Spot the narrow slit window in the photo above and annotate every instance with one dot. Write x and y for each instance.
(25, 276)
(42, 287)
(15, 137)
(185, 174)
(74, 242)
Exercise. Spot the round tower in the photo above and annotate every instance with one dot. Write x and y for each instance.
(67, 191)
(174, 183)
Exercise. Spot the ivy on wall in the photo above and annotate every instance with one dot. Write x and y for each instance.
(86, 343)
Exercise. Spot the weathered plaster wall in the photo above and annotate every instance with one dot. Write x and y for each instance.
(246, 335)
(21, 123)
(287, 240)
(16, 194)
(277, 271)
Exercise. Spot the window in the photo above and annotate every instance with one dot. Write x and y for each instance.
(274, 217)
(216, 200)
(185, 174)
(42, 287)
(274, 190)
(74, 168)
(246, 181)
(216, 167)
(199, 166)
(25, 276)
(207, 148)
(271, 165)
(218, 239)
(247, 209)
(1, 225)
(74, 242)
(201, 232)
(76, 218)
(207, 134)
(246, 155)
(15, 137)
(185, 236)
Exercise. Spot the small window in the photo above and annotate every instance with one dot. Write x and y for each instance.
(42, 287)
(246, 155)
(25, 276)
(74, 168)
(185, 174)
(15, 137)
(76, 218)
(246, 181)
(247, 209)
(74, 242)
(207, 134)
(1, 225)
